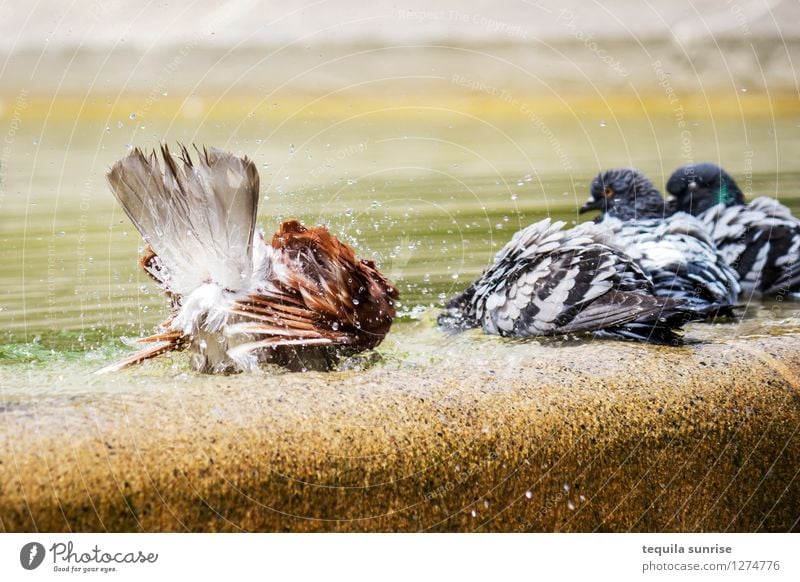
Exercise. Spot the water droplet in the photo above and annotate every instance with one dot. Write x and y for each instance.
(132, 116)
(566, 488)
(474, 513)
(743, 89)
(570, 506)
(355, 302)
(528, 494)
(335, 325)
(486, 505)
(527, 177)
(603, 124)
(203, 344)
(514, 197)
(291, 148)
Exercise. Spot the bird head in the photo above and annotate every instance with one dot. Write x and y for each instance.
(625, 194)
(697, 187)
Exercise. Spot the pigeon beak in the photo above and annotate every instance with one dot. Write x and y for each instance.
(672, 203)
(591, 204)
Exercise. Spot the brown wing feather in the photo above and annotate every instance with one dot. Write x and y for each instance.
(164, 343)
(327, 298)
(333, 282)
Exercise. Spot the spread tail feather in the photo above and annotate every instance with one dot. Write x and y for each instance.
(198, 217)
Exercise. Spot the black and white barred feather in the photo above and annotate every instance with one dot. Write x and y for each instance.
(759, 240)
(762, 242)
(550, 281)
(676, 251)
(681, 260)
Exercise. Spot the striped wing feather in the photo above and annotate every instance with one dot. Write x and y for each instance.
(548, 281)
(761, 241)
(681, 259)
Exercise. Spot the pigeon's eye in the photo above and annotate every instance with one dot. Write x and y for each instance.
(608, 192)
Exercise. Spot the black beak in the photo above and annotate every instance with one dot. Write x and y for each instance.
(591, 204)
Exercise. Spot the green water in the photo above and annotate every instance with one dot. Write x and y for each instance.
(430, 195)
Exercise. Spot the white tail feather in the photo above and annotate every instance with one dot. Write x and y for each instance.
(199, 218)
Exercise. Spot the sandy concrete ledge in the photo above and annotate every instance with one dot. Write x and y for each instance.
(487, 437)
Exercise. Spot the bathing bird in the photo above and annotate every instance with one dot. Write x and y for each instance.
(674, 249)
(759, 240)
(301, 299)
(549, 280)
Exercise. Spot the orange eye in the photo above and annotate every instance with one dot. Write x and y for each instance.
(608, 192)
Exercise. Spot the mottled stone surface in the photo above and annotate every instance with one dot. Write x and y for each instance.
(484, 435)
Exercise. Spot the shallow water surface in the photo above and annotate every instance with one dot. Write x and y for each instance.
(431, 195)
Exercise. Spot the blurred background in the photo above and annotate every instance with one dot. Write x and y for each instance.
(423, 133)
